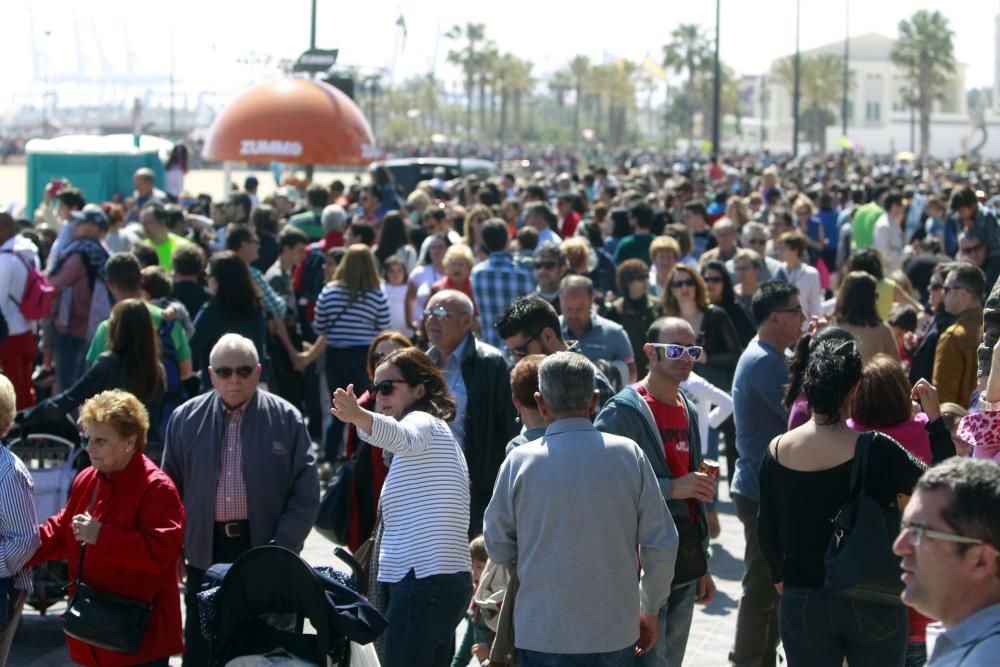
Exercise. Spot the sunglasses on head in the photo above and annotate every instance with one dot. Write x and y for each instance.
(683, 283)
(385, 387)
(225, 372)
(674, 351)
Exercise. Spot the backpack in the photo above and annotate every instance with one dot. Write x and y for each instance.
(174, 393)
(308, 281)
(36, 300)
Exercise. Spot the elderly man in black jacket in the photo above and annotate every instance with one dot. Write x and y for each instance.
(477, 376)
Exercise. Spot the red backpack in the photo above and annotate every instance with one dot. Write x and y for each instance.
(36, 300)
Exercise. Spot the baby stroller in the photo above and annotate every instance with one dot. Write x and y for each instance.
(53, 455)
(259, 605)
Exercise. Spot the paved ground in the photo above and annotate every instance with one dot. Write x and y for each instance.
(39, 640)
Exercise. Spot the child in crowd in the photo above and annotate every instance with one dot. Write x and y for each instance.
(478, 637)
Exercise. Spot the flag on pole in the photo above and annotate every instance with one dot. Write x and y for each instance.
(653, 68)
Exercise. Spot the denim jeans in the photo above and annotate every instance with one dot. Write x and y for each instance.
(70, 358)
(675, 627)
(820, 630)
(344, 366)
(623, 658)
(423, 614)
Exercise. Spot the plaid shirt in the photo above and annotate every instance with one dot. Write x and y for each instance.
(496, 283)
(231, 490)
(273, 303)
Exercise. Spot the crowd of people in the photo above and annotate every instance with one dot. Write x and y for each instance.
(546, 364)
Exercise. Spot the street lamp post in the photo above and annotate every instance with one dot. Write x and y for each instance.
(716, 90)
(795, 93)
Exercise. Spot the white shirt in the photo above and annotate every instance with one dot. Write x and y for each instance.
(704, 394)
(425, 499)
(888, 240)
(806, 278)
(13, 275)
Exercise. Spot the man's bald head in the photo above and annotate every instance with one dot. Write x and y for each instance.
(668, 327)
(448, 319)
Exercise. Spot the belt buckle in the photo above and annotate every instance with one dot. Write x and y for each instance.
(231, 529)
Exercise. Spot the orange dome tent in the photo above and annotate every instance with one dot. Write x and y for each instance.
(291, 120)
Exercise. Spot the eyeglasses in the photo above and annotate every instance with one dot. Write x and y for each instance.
(935, 286)
(385, 387)
(756, 241)
(548, 266)
(918, 533)
(712, 279)
(677, 284)
(674, 351)
(437, 312)
(225, 372)
(797, 309)
(521, 351)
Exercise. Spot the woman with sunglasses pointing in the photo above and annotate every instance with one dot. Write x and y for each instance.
(423, 557)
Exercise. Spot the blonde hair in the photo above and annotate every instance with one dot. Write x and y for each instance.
(477, 549)
(458, 252)
(665, 244)
(122, 411)
(741, 213)
(577, 254)
(8, 404)
(803, 201)
(357, 271)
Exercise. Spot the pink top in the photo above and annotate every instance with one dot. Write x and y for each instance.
(911, 434)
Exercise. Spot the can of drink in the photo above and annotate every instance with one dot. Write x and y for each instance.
(710, 467)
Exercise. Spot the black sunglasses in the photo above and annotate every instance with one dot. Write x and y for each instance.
(677, 284)
(712, 279)
(935, 285)
(226, 372)
(548, 266)
(385, 387)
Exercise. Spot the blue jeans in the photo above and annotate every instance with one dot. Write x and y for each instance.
(344, 366)
(820, 630)
(423, 614)
(622, 658)
(70, 356)
(675, 627)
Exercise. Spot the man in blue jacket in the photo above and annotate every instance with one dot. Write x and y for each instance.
(664, 423)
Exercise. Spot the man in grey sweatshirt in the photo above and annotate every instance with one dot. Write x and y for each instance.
(570, 509)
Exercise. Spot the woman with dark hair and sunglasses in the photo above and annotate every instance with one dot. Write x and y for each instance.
(805, 478)
(423, 554)
(687, 298)
(719, 286)
(635, 309)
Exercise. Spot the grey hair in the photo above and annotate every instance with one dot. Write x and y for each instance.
(758, 227)
(234, 343)
(461, 298)
(8, 404)
(566, 382)
(333, 218)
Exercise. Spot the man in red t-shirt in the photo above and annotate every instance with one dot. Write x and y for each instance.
(655, 414)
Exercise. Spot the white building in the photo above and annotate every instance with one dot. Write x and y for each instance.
(878, 119)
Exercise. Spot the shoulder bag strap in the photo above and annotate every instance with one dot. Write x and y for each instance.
(860, 465)
(83, 549)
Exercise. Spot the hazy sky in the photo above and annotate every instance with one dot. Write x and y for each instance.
(210, 42)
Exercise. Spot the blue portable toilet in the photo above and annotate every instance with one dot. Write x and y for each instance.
(99, 166)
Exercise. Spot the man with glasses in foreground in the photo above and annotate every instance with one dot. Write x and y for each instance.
(220, 446)
(478, 379)
(951, 568)
(759, 410)
(664, 423)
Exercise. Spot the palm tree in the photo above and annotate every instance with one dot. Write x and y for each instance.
(689, 51)
(486, 66)
(579, 69)
(465, 58)
(822, 80)
(925, 52)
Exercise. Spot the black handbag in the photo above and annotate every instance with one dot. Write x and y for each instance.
(334, 518)
(859, 561)
(8, 602)
(103, 620)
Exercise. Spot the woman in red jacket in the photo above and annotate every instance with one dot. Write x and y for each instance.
(133, 529)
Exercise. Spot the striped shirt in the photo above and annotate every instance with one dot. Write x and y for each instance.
(347, 324)
(496, 283)
(18, 522)
(231, 489)
(425, 499)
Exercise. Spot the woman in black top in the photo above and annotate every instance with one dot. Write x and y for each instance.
(719, 285)
(635, 309)
(804, 481)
